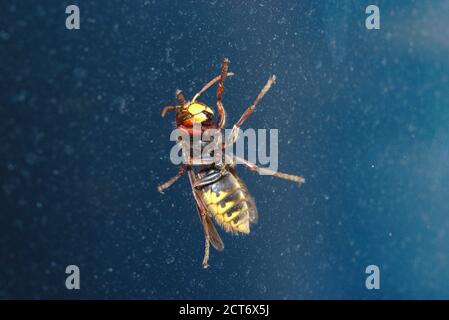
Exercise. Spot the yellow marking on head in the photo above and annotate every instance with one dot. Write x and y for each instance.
(196, 107)
(197, 110)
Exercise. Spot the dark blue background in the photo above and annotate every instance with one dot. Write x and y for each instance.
(363, 116)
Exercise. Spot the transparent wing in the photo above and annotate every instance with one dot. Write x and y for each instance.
(214, 237)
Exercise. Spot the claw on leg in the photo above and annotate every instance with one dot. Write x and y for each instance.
(220, 90)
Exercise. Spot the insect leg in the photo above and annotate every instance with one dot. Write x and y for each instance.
(168, 108)
(167, 184)
(208, 85)
(220, 90)
(247, 113)
(182, 102)
(253, 167)
(180, 97)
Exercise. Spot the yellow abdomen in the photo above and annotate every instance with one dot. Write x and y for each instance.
(229, 203)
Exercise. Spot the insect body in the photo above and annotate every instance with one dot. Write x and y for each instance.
(218, 191)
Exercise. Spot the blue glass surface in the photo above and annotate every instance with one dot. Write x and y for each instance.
(362, 114)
